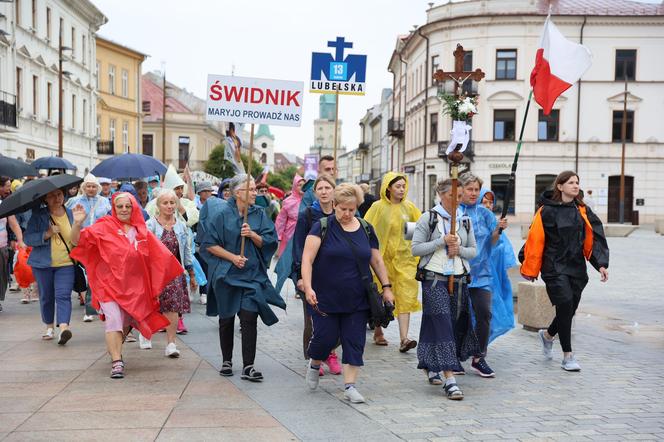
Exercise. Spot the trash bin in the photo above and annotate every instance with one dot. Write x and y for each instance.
(635, 218)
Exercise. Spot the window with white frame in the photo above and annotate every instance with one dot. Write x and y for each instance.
(85, 115)
(97, 70)
(111, 79)
(98, 128)
(125, 83)
(73, 111)
(125, 136)
(111, 130)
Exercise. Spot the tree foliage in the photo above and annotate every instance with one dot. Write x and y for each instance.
(218, 166)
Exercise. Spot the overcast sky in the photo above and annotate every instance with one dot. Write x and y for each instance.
(268, 39)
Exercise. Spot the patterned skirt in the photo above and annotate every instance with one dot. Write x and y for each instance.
(175, 297)
(446, 333)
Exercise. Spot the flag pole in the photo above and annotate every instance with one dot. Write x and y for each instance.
(246, 194)
(510, 183)
(336, 129)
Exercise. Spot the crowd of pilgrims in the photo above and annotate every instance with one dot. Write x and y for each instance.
(151, 248)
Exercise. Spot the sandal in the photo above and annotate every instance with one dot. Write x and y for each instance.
(117, 369)
(406, 345)
(380, 340)
(453, 392)
(435, 379)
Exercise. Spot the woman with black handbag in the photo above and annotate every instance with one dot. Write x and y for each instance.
(446, 332)
(48, 234)
(335, 274)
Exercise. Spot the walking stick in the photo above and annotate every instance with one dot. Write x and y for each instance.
(510, 183)
(246, 194)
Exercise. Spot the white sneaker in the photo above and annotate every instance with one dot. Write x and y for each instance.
(88, 318)
(172, 351)
(144, 343)
(312, 377)
(48, 334)
(353, 395)
(203, 299)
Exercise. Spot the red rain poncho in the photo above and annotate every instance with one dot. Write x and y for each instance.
(131, 275)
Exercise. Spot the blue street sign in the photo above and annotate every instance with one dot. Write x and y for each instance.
(330, 74)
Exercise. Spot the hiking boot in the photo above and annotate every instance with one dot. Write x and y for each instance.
(547, 345)
(482, 368)
(332, 363)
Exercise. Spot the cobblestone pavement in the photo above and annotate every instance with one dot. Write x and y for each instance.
(55, 393)
(619, 394)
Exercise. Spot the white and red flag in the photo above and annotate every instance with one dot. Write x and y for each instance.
(558, 65)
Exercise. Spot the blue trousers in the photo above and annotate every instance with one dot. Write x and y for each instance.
(349, 328)
(55, 287)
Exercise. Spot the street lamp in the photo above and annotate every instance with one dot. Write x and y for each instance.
(61, 73)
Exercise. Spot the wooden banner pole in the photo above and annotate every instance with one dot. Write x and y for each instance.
(246, 194)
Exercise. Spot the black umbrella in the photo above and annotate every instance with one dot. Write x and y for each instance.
(30, 195)
(50, 163)
(129, 165)
(15, 168)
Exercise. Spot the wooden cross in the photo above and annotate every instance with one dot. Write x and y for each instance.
(458, 75)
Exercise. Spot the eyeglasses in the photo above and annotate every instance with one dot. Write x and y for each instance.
(250, 190)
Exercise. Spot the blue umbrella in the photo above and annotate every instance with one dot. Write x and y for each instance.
(129, 165)
(50, 163)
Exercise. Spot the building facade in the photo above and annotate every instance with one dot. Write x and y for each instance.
(582, 132)
(323, 143)
(189, 137)
(119, 113)
(264, 146)
(29, 83)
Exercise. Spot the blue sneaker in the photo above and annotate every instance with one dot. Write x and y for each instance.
(482, 368)
(570, 364)
(547, 345)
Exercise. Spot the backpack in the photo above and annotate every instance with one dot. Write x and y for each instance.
(433, 222)
(323, 227)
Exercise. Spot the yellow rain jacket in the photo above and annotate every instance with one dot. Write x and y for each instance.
(388, 221)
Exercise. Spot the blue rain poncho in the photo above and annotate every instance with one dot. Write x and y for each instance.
(502, 306)
(248, 288)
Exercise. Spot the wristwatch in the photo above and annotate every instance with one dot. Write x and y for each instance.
(386, 285)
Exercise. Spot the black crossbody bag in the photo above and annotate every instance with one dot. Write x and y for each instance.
(80, 278)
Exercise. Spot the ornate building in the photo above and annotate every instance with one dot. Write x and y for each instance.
(582, 133)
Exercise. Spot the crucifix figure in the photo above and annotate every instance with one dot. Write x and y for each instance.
(458, 76)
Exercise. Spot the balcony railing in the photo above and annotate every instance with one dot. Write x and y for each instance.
(395, 128)
(8, 110)
(363, 146)
(106, 147)
(468, 153)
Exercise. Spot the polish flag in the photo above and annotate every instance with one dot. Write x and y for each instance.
(558, 65)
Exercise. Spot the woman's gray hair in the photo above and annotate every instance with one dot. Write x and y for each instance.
(444, 185)
(165, 193)
(237, 181)
(468, 178)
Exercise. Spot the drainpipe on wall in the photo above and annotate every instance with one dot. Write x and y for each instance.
(426, 118)
(404, 91)
(578, 110)
(394, 88)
